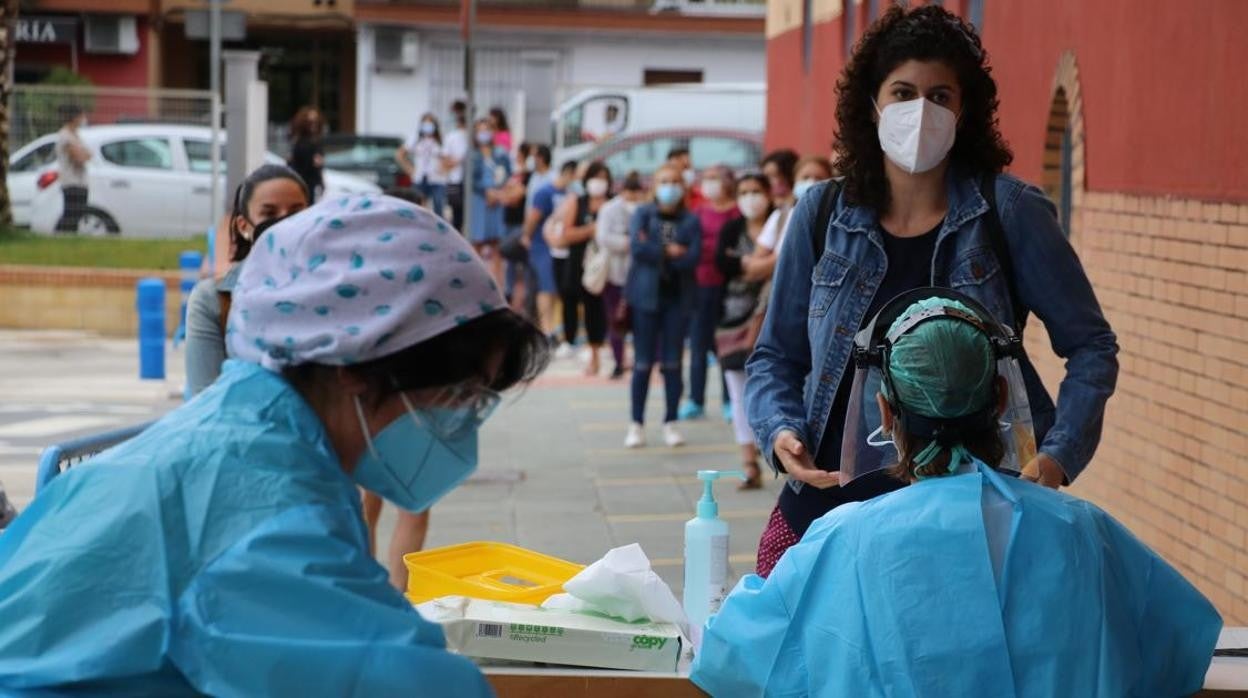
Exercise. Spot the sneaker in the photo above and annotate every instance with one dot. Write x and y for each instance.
(564, 351)
(690, 410)
(728, 412)
(636, 437)
(671, 437)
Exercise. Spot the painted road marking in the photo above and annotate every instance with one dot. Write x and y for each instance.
(51, 426)
(656, 451)
(684, 516)
(739, 559)
(655, 480)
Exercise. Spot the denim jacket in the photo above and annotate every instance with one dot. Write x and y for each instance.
(648, 258)
(816, 309)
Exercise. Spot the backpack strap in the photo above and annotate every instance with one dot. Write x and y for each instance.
(1001, 248)
(827, 204)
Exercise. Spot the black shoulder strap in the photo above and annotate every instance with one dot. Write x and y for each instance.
(1001, 247)
(827, 204)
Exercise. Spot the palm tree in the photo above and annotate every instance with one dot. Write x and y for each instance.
(8, 44)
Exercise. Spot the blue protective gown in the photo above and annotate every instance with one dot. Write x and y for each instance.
(222, 551)
(969, 585)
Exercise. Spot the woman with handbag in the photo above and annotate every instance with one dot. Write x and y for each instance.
(746, 285)
(612, 239)
(578, 215)
(661, 290)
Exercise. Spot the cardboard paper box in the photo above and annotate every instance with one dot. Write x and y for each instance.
(495, 630)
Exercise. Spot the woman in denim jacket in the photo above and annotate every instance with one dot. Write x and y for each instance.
(666, 241)
(916, 120)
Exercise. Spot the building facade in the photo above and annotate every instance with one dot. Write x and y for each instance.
(1125, 111)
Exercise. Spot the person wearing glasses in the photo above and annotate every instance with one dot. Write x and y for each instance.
(223, 551)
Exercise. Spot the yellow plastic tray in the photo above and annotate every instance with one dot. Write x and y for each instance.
(485, 570)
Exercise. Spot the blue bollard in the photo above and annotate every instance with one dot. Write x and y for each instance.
(189, 263)
(151, 307)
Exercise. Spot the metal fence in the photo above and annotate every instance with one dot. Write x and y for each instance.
(37, 110)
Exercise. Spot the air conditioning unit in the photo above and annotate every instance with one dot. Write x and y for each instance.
(395, 50)
(111, 34)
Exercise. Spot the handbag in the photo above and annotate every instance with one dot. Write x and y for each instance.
(512, 248)
(734, 345)
(594, 277)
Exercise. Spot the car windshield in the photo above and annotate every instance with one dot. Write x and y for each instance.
(356, 153)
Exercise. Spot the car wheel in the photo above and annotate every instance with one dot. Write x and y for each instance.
(97, 223)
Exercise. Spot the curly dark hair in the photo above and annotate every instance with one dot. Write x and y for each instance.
(927, 33)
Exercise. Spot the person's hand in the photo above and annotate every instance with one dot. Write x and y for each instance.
(1044, 470)
(526, 241)
(673, 250)
(799, 464)
(491, 197)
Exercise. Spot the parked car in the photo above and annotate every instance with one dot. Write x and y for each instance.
(367, 157)
(645, 152)
(146, 180)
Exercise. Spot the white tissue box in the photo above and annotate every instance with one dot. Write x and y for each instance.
(496, 630)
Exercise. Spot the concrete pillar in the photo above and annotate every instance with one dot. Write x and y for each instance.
(246, 117)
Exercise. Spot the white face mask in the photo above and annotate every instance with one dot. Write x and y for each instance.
(753, 205)
(689, 176)
(596, 187)
(530, 163)
(916, 135)
(712, 188)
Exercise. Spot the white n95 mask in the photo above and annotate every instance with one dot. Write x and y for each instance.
(916, 135)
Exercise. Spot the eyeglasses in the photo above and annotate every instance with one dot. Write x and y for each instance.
(451, 412)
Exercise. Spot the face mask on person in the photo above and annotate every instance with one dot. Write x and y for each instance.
(485, 137)
(689, 176)
(597, 187)
(427, 128)
(413, 462)
(530, 163)
(712, 188)
(631, 206)
(669, 194)
(576, 188)
(916, 135)
(752, 204)
(803, 186)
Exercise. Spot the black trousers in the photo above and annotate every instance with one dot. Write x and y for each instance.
(574, 298)
(455, 196)
(75, 199)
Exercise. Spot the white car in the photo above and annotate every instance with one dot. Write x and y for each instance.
(146, 180)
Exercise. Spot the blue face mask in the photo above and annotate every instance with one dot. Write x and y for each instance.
(669, 194)
(802, 187)
(422, 456)
(576, 188)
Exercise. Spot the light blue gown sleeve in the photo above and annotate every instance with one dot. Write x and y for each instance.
(754, 645)
(1178, 626)
(298, 607)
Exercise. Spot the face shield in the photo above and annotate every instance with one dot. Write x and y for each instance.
(964, 409)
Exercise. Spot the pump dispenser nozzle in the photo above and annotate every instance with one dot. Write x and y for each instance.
(708, 508)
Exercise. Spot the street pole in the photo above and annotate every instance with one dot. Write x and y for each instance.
(470, 21)
(214, 80)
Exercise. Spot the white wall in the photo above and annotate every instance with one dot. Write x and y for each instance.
(391, 103)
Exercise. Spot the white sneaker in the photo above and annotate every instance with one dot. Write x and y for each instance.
(564, 351)
(636, 437)
(671, 437)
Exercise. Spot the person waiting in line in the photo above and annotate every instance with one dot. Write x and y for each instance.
(810, 170)
(222, 551)
(268, 195)
(921, 157)
(514, 195)
(780, 168)
(746, 290)
(613, 236)
(579, 217)
(307, 158)
(501, 129)
(661, 292)
(719, 206)
(456, 148)
(421, 158)
(970, 581)
(491, 168)
(541, 261)
(72, 156)
(680, 159)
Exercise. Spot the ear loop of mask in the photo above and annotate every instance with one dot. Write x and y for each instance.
(359, 413)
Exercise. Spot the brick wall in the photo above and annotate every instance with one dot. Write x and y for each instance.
(1172, 276)
(99, 300)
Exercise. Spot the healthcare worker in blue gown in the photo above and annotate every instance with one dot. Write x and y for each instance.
(222, 551)
(969, 582)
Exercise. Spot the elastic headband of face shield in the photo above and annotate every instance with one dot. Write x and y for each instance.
(873, 347)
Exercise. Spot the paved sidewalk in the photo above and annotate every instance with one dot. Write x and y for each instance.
(554, 474)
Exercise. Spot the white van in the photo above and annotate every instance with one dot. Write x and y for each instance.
(594, 116)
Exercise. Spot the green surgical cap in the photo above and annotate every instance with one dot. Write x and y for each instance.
(943, 367)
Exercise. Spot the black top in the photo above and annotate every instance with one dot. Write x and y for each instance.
(909, 267)
(514, 215)
(303, 154)
(669, 278)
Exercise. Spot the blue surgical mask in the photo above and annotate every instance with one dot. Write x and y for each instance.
(576, 188)
(802, 186)
(414, 463)
(669, 194)
(485, 137)
(427, 128)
